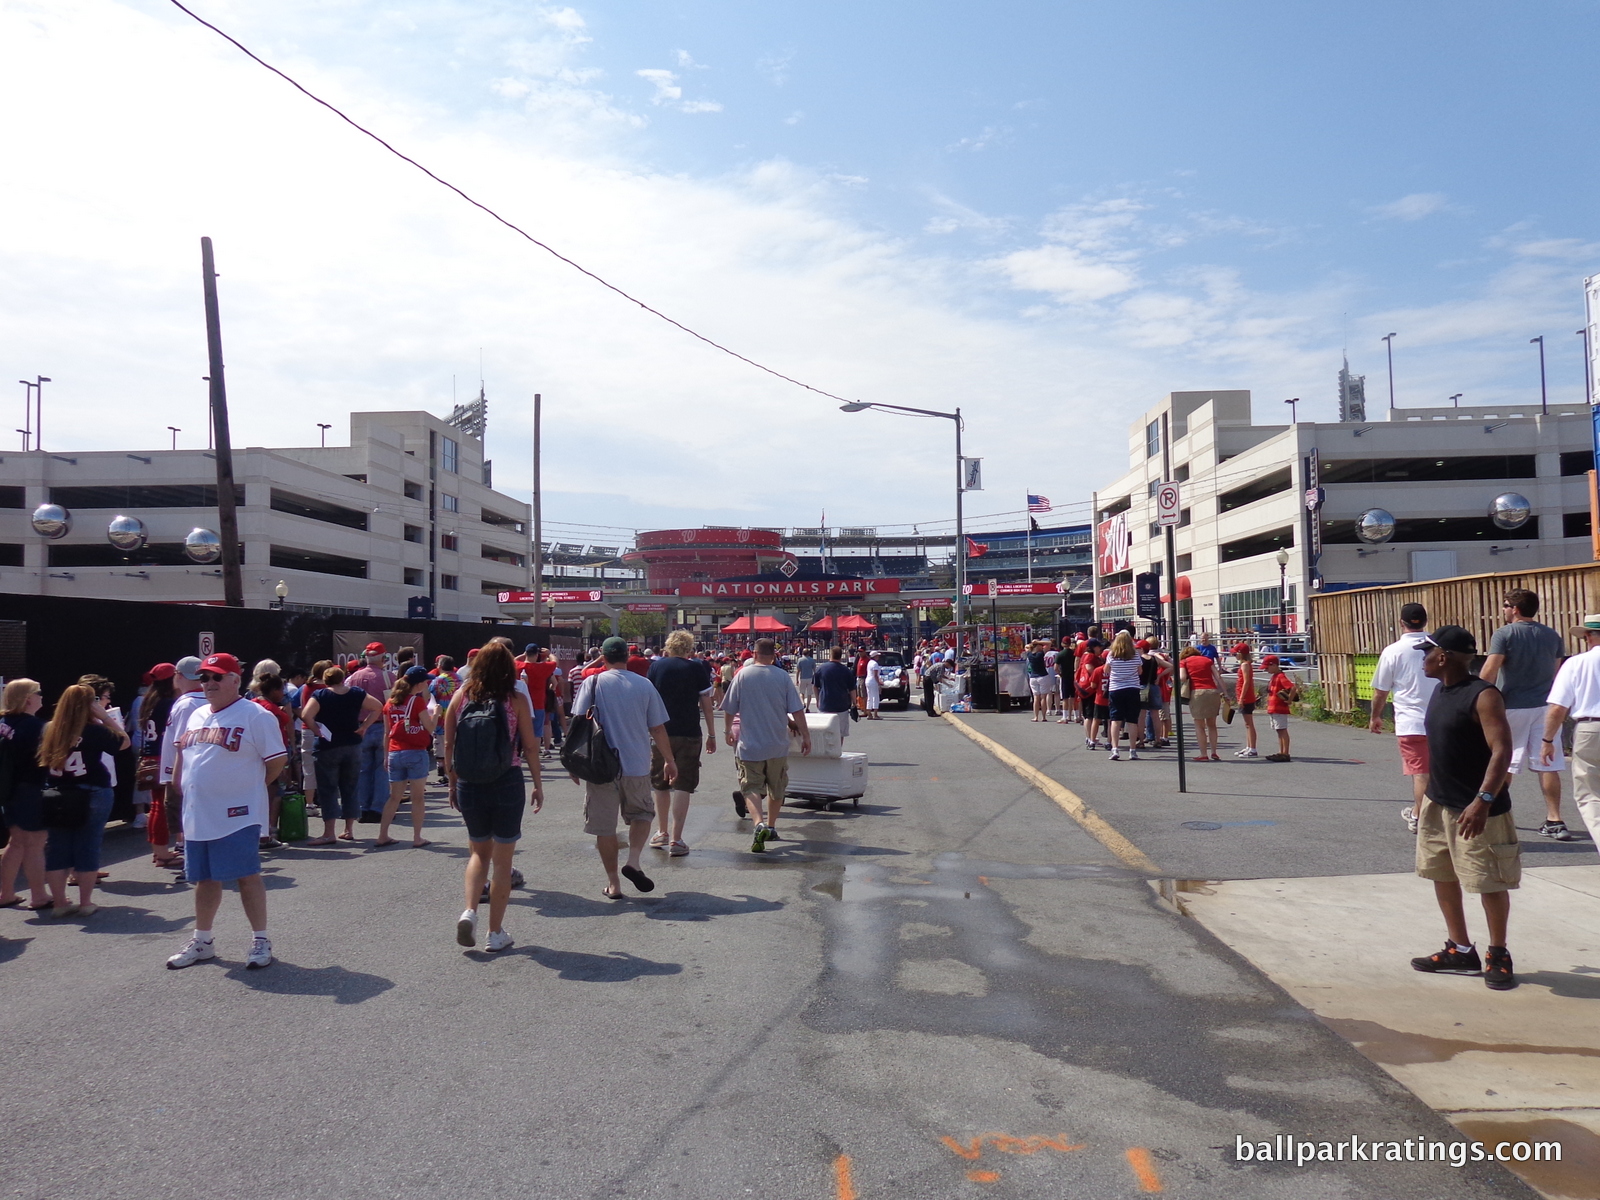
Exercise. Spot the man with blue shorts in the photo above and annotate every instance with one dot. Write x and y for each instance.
(228, 751)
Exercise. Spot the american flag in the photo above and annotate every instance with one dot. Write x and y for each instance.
(1038, 503)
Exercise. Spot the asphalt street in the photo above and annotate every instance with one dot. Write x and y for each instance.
(951, 990)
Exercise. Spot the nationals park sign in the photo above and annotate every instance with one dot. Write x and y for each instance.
(798, 589)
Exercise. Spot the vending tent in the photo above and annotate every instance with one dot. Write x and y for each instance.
(755, 625)
(849, 623)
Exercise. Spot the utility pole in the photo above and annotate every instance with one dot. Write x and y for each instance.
(1388, 342)
(538, 519)
(1544, 396)
(227, 512)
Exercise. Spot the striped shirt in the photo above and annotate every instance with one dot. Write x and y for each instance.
(1122, 673)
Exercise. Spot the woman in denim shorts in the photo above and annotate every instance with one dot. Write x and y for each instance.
(410, 727)
(492, 810)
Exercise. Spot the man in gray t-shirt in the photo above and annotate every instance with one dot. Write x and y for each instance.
(1523, 658)
(764, 699)
(630, 711)
(805, 669)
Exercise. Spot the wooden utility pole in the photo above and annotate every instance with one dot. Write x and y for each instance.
(227, 512)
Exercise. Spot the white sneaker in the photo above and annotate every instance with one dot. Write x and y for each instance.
(142, 820)
(1409, 816)
(197, 950)
(1133, 755)
(1247, 752)
(499, 940)
(677, 849)
(260, 954)
(1115, 757)
(467, 928)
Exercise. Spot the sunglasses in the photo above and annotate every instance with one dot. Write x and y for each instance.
(209, 677)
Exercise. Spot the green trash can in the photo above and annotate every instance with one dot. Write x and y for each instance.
(292, 818)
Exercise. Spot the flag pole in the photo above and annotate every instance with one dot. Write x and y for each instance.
(1027, 504)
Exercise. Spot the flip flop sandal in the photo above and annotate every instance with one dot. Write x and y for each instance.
(638, 878)
(610, 895)
(11, 903)
(324, 841)
(347, 837)
(420, 845)
(386, 842)
(40, 907)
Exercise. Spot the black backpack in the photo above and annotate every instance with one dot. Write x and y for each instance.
(586, 753)
(482, 750)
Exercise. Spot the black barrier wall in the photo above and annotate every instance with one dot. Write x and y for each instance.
(64, 638)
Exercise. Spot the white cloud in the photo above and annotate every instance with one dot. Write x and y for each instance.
(670, 94)
(1411, 208)
(352, 282)
(776, 67)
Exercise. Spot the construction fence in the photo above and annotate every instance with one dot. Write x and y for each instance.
(1352, 628)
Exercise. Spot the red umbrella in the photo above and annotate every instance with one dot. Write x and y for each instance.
(760, 625)
(850, 623)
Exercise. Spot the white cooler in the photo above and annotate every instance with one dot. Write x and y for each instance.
(828, 732)
(814, 778)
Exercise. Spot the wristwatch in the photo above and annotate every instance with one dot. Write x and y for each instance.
(1486, 797)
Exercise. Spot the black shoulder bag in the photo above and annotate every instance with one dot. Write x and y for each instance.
(585, 752)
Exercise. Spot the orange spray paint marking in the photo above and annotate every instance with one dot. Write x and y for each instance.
(965, 1151)
(983, 1176)
(1144, 1169)
(844, 1187)
(1007, 1144)
(983, 879)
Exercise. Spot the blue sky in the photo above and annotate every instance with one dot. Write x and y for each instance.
(1050, 213)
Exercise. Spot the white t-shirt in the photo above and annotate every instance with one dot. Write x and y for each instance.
(1400, 674)
(224, 781)
(1577, 684)
(176, 716)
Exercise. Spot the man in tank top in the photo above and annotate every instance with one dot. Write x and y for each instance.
(1465, 835)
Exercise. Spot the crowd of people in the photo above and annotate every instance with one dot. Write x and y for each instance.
(230, 761)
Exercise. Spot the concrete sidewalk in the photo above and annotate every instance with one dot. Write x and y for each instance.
(1515, 1065)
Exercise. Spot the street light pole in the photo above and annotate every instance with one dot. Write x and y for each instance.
(1388, 343)
(1455, 401)
(175, 432)
(538, 519)
(1283, 598)
(324, 429)
(1588, 368)
(959, 607)
(1544, 397)
(1294, 410)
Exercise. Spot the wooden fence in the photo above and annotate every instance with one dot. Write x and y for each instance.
(1359, 623)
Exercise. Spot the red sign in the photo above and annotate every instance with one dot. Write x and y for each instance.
(646, 607)
(1113, 545)
(797, 588)
(1120, 596)
(1016, 589)
(591, 597)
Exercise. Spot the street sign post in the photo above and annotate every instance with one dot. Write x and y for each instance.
(1169, 504)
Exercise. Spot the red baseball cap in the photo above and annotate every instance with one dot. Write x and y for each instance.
(374, 647)
(226, 663)
(1270, 660)
(1242, 648)
(473, 652)
(160, 671)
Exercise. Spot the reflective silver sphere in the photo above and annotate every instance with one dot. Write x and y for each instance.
(127, 533)
(1375, 526)
(203, 546)
(52, 521)
(1510, 511)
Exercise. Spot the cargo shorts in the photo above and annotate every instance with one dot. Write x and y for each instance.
(764, 775)
(1490, 862)
(686, 754)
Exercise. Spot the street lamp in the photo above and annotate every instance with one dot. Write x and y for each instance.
(324, 429)
(34, 417)
(1294, 410)
(1283, 595)
(1544, 398)
(175, 432)
(1455, 400)
(282, 593)
(960, 605)
(1388, 342)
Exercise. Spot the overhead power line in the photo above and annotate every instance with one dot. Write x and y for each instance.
(517, 229)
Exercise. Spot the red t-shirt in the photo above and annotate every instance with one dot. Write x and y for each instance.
(538, 675)
(1279, 690)
(1247, 683)
(639, 664)
(1097, 685)
(1201, 672)
(285, 722)
(406, 730)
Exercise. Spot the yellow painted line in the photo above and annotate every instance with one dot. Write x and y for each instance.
(1066, 799)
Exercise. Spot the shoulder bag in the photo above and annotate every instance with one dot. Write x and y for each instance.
(585, 752)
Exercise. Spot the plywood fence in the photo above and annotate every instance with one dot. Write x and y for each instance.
(1365, 620)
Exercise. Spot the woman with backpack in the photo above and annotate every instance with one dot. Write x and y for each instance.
(487, 727)
(73, 749)
(410, 740)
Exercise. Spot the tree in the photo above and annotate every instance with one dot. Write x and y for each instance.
(636, 627)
